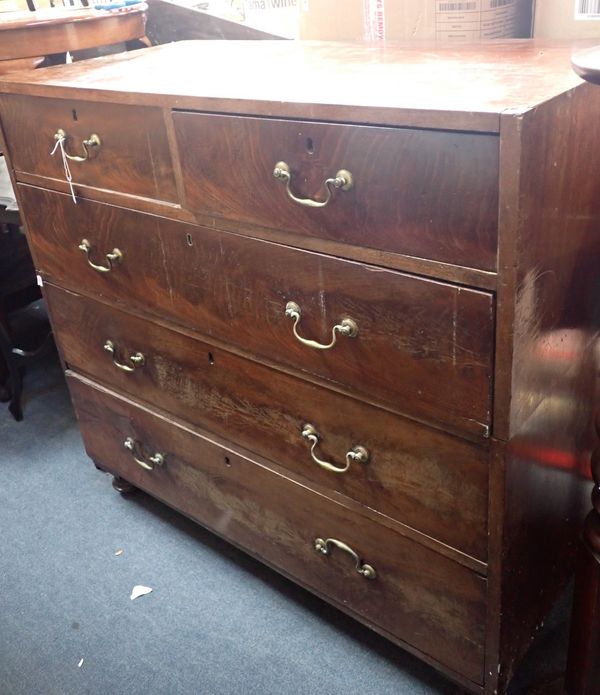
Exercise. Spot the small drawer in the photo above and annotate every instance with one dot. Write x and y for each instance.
(390, 582)
(131, 154)
(429, 194)
(419, 347)
(428, 480)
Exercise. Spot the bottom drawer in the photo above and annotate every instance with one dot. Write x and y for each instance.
(391, 583)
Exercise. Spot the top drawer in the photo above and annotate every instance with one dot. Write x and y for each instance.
(133, 156)
(429, 194)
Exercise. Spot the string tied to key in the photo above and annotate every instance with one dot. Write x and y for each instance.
(60, 145)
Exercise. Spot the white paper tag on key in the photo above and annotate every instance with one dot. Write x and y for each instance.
(60, 145)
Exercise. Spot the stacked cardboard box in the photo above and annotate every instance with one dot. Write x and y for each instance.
(567, 19)
(340, 20)
(442, 20)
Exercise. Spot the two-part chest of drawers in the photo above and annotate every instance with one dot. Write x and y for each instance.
(333, 303)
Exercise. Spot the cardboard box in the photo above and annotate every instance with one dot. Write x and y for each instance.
(567, 19)
(443, 20)
(279, 17)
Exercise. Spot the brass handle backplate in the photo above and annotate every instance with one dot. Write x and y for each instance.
(346, 327)
(324, 546)
(90, 146)
(155, 460)
(342, 180)
(357, 453)
(113, 258)
(136, 360)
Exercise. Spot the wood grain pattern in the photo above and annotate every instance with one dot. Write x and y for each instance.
(547, 298)
(418, 595)
(470, 277)
(425, 85)
(20, 64)
(419, 193)
(583, 665)
(56, 30)
(415, 336)
(430, 481)
(442, 353)
(133, 157)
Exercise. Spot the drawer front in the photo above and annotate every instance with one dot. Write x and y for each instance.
(415, 192)
(133, 156)
(422, 348)
(432, 603)
(430, 481)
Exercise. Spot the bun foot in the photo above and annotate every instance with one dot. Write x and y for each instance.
(121, 485)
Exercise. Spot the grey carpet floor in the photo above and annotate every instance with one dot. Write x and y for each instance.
(216, 622)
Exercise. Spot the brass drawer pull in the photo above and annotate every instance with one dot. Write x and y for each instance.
(342, 180)
(113, 258)
(90, 146)
(137, 360)
(155, 459)
(357, 453)
(322, 546)
(347, 327)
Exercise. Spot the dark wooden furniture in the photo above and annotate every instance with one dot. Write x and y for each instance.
(45, 32)
(333, 302)
(583, 667)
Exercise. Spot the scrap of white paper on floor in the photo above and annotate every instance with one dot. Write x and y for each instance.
(139, 590)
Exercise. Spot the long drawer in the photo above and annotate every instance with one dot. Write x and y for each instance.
(431, 194)
(132, 155)
(433, 604)
(420, 347)
(430, 481)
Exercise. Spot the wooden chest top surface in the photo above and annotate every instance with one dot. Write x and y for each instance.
(423, 84)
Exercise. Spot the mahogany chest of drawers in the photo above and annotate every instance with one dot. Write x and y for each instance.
(336, 303)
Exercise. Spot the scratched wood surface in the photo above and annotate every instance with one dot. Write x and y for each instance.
(419, 193)
(434, 603)
(432, 482)
(583, 666)
(526, 323)
(435, 339)
(133, 156)
(427, 85)
(546, 386)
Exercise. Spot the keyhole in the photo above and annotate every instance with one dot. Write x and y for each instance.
(188, 238)
(309, 146)
(227, 461)
(211, 359)
(74, 114)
